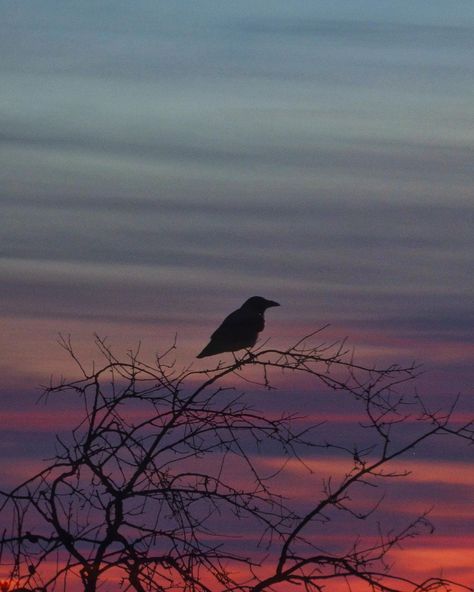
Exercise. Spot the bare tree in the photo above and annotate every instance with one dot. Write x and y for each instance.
(161, 485)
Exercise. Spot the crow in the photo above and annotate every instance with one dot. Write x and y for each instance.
(240, 329)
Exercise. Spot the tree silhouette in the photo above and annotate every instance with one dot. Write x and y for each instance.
(162, 484)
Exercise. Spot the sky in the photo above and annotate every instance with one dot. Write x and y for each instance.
(163, 161)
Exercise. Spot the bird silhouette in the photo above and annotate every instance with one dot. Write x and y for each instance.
(240, 329)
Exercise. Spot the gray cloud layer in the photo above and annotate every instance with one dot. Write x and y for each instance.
(159, 156)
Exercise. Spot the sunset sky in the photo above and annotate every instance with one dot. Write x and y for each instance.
(163, 161)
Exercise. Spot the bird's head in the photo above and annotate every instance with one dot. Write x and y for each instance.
(259, 304)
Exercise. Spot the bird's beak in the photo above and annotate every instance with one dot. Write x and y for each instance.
(272, 303)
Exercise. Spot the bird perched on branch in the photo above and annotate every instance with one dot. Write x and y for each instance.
(240, 329)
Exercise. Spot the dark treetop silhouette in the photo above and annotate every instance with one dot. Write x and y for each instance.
(240, 329)
(163, 484)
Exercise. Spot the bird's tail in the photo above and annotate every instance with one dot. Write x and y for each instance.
(211, 349)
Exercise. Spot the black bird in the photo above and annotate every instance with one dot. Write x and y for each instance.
(240, 329)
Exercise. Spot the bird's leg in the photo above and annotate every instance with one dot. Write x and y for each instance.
(247, 358)
(250, 354)
(236, 361)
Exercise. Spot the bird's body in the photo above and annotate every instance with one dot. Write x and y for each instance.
(240, 329)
